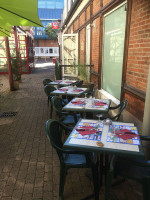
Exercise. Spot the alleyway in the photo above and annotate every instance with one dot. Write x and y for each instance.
(29, 167)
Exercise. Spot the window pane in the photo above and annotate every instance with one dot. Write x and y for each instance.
(114, 32)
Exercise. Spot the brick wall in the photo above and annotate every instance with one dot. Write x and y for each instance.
(95, 43)
(47, 43)
(135, 106)
(88, 13)
(82, 46)
(96, 6)
(76, 25)
(105, 2)
(82, 19)
(139, 45)
(138, 54)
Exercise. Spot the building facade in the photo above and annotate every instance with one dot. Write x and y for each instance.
(49, 11)
(114, 36)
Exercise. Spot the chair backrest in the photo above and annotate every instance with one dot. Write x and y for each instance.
(48, 89)
(79, 83)
(54, 134)
(46, 81)
(57, 103)
(121, 107)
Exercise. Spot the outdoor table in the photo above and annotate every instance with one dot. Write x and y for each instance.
(70, 91)
(60, 83)
(94, 136)
(88, 105)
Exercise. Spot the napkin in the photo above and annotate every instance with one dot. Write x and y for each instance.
(86, 130)
(58, 81)
(63, 89)
(125, 134)
(99, 103)
(78, 102)
(78, 90)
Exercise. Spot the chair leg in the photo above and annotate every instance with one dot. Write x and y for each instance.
(51, 111)
(62, 181)
(48, 101)
(108, 184)
(95, 181)
(146, 188)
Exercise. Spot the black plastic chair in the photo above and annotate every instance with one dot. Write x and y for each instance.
(78, 83)
(48, 89)
(70, 158)
(130, 168)
(46, 81)
(120, 108)
(64, 117)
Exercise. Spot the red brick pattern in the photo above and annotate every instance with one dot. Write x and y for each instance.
(76, 25)
(88, 13)
(82, 19)
(135, 106)
(105, 2)
(95, 43)
(96, 6)
(82, 46)
(139, 45)
(47, 43)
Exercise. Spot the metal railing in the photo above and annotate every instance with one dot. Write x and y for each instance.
(46, 51)
(61, 69)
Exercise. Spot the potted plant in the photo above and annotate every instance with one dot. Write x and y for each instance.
(16, 70)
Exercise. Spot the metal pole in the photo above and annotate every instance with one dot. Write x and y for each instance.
(9, 64)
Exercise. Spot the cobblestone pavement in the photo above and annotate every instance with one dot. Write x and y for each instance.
(29, 167)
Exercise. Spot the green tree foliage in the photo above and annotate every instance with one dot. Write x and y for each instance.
(52, 33)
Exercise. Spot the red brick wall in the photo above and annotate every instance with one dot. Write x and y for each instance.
(82, 19)
(138, 54)
(135, 106)
(88, 13)
(46, 43)
(105, 2)
(139, 45)
(76, 25)
(82, 46)
(96, 6)
(95, 45)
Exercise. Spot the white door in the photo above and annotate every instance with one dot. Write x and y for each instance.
(69, 53)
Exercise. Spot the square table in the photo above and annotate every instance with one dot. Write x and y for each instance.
(70, 91)
(88, 105)
(94, 136)
(60, 83)
(105, 140)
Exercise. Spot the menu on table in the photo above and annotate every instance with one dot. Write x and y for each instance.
(86, 132)
(123, 134)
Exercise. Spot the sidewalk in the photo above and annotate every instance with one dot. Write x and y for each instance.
(29, 167)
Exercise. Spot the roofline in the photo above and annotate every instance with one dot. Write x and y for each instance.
(71, 12)
(49, 19)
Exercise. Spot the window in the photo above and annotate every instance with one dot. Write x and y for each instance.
(50, 50)
(113, 48)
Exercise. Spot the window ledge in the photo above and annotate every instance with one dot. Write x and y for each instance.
(109, 96)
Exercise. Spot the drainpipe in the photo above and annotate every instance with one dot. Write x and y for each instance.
(146, 119)
(9, 64)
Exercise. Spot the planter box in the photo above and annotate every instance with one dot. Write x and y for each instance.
(16, 85)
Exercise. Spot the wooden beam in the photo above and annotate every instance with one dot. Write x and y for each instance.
(9, 64)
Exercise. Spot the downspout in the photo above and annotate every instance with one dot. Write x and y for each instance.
(9, 64)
